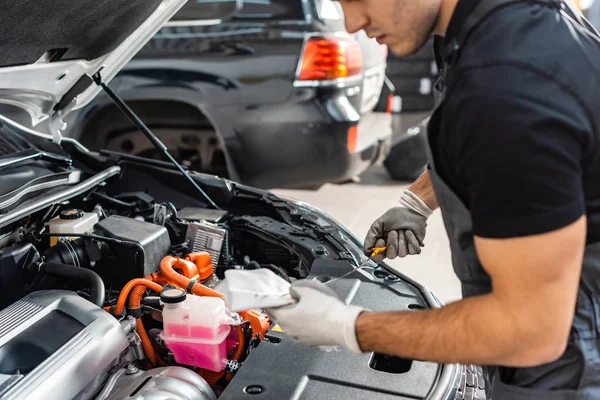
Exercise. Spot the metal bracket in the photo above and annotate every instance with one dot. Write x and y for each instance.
(57, 125)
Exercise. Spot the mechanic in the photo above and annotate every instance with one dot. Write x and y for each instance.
(514, 166)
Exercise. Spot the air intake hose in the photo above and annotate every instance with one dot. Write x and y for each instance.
(78, 275)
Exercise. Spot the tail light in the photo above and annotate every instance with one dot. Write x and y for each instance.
(390, 104)
(352, 138)
(327, 58)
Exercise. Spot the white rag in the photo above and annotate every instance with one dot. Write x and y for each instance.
(254, 289)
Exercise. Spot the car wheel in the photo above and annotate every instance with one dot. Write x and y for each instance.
(407, 159)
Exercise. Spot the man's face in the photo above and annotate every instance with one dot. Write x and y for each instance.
(403, 25)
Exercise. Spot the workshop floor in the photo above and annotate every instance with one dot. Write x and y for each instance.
(357, 205)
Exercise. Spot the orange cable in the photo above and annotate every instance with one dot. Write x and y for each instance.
(130, 285)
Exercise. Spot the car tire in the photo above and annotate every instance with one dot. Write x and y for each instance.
(407, 159)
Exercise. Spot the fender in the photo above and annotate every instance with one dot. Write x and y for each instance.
(131, 91)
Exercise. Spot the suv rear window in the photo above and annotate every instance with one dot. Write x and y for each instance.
(278, 10)
(252, 10)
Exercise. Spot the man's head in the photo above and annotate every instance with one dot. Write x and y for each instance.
(403, 25)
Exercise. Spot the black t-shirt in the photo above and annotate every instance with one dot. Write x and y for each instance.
(519, 140)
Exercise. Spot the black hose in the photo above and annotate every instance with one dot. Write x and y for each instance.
(105, 239)
(278, 270)
(249, 264)
(113, 201)
(79, 275)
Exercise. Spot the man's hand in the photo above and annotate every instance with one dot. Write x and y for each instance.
(319, 318)
(525, 321)
(402, 228)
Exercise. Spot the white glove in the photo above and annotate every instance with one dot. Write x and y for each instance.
(319, 318)
(414, 202)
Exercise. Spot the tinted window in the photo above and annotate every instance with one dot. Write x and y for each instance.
(199, 10)
(271, 10)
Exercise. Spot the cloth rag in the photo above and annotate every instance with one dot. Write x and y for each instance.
(254, 289)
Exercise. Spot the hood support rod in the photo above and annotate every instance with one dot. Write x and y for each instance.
(156, 142)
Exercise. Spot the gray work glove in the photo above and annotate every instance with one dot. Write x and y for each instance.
(401, 228)
(318, 318)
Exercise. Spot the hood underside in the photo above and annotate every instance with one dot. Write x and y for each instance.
(48, 46)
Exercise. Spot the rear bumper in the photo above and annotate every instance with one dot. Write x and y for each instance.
(309, 153)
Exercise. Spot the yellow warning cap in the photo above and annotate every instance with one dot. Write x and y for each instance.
(277, 328)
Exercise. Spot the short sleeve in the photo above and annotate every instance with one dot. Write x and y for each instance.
(520, 156)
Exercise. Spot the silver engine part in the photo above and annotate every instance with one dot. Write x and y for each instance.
(173, 383)
(53, 344)
(204, 236)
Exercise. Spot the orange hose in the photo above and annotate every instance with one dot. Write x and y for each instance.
(204, 268)
(167, 266)
(137, 287)
(130, 285)
(241, 343)
(146, 343)
(187, 268)
(135, 299)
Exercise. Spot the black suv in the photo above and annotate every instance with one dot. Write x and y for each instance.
(278, 96)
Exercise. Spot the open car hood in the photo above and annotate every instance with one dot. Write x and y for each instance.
(51, 50)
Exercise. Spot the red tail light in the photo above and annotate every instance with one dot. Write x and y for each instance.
(352, 138)
(330, 58)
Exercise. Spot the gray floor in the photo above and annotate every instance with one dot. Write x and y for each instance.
(357, 205)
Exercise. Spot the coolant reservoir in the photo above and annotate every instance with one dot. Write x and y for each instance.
(72, 221)
(196, 329)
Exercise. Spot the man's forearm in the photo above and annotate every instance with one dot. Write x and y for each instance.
(423, 188)
(476, 330)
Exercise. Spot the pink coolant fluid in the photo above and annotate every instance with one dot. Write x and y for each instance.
(196, 331)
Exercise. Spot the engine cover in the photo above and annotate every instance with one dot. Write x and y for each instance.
(55, 342)
(283, 369)
(173, 383)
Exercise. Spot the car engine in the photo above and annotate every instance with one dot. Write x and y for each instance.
(91, 274)
(109, 290)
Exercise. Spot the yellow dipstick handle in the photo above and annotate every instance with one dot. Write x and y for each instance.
(375, 251)
(378, 250)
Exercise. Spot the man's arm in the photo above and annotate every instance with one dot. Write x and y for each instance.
(525, 321)
(423, 188)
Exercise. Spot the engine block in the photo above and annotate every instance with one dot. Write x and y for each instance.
(55, 342)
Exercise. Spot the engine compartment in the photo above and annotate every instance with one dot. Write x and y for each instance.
(121, 245)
